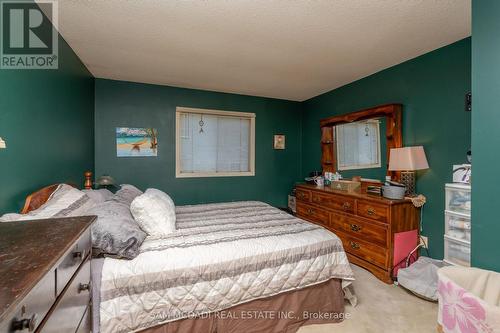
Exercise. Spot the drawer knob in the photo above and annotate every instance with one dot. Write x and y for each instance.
(301, 195)
(22, 324)
(355, 227)
(355, 245)
(346, 206)
(77, 255)
(370, 211)
(310, 211)
(83, 287)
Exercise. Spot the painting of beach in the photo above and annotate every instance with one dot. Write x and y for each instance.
(131, 142)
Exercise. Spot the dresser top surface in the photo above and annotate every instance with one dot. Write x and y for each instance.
(29, 249)
(357, 195)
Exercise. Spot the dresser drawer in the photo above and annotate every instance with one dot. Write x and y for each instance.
(72, 261)
(373, 211)
(303, 195)
(34, 306)
(86, 323)
(344, 204)
(369, 231)
(370, 252)
(72, 304)
(312, 213)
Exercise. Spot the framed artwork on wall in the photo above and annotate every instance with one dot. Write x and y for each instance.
(136, 142)
(279, 141)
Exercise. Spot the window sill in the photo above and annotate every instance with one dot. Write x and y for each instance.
(214, 174)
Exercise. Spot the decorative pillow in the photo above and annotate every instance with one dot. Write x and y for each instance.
(65, 201)
(126, 194)
(99, 195)
(115, 233)
(154, 211)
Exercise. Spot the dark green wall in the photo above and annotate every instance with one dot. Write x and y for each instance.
(128, 104)
(485, 133)
(432, 89)
(46, 118)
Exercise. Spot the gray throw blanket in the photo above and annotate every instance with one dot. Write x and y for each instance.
(116, 233)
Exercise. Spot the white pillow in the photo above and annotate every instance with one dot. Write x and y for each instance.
(154, 211)
(11, 217)
(65, 201)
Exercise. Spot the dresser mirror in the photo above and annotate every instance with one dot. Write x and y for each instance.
(359, 143)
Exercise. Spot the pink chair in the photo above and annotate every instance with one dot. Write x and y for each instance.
(469, 300)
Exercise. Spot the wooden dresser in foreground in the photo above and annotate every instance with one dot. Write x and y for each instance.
(45, 275)
(366, 224)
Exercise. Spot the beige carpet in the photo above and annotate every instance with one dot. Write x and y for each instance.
(382, 308)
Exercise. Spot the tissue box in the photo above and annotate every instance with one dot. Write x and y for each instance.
(345, 185)
(462, 173)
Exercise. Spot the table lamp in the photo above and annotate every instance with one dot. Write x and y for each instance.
(2, 144)
(408, 160)
(105, 181)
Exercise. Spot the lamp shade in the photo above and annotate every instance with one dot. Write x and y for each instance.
(105, 180)
(408, 159)
(2, 143)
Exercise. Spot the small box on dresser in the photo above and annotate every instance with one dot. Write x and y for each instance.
(366, 224)
(45, 275)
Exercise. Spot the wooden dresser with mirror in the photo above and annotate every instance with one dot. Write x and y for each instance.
(365, 223)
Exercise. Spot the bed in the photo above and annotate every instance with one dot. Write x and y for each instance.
(229, 267)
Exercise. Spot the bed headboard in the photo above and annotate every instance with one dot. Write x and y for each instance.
(38, 198)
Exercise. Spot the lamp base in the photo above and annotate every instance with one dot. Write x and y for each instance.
(408, 180)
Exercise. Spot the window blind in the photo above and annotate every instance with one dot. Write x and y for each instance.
(214, 143)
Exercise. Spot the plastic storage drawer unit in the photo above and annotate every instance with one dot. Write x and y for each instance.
(457, 226)
(458, 198)
(456, 252)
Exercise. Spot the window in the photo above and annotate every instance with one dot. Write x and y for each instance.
(358, 145)
(212, 143)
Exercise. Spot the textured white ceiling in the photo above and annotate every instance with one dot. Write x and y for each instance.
(290, 49)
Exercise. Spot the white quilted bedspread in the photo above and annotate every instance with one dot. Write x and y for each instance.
(221, 255)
